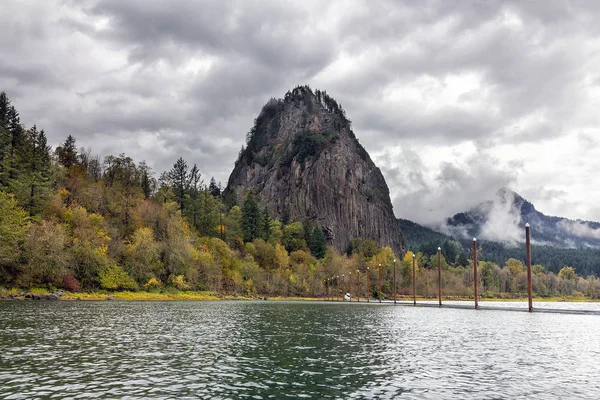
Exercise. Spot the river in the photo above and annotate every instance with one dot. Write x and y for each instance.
(278, 350)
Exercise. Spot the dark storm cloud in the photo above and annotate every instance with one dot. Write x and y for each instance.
(161, 79)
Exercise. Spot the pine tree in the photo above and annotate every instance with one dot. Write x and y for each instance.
(215, 190)
(39, 169)
(67, 153)
(265, 224)
(147, 181)
(251, 226)
(4, 107)
(179, 177)
(317, 244)
(193, 196)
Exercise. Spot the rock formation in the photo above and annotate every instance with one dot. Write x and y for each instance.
(303, 162)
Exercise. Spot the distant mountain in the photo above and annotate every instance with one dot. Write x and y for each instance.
(417, 235)
(425, 240)
(503, 219)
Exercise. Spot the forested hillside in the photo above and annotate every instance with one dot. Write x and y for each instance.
(71, 220)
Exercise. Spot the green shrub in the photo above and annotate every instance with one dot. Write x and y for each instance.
(114, 277)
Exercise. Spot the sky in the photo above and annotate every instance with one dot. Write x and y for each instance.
(453, 99)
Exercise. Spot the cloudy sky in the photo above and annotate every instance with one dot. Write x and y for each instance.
(453, 99)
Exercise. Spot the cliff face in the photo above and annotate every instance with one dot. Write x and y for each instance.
(303, 162)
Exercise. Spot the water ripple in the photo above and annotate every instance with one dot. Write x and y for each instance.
(266, 350)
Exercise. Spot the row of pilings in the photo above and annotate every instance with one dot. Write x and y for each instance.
(337, 287)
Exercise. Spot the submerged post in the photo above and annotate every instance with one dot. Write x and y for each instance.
(528, 260)
(414, 282)
(379, 294)
(394, 281)
(440, 275)
(368, 284)
(475, 280)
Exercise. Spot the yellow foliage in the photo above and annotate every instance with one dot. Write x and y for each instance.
(179, 282)
(153, 283)
(101, 250)
(62, 192)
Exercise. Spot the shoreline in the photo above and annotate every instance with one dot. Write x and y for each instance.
(42, 294)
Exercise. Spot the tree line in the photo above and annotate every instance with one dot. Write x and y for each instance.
(71, 220)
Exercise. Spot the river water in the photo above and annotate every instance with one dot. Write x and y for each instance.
(278, 350)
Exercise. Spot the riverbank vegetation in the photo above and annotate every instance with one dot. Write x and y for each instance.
(72, 221)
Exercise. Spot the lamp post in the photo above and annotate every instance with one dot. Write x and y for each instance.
(379, 294)
(414, 282)
(394, 281)
(368, 284)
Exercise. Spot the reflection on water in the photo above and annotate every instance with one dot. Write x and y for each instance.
(261, 350)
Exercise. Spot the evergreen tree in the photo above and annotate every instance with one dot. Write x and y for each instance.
(265, 221)
(4, 106)
(147, 181)
(317, 244)
(39, 169)
(215, 190)
(179, 178)
(67, 153)
(251, 218)
(192, 197)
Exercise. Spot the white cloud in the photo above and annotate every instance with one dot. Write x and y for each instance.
(454, 100)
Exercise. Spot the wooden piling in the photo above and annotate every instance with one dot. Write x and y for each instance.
(414, 281)
(440, 275)
(475, 280)
(357, 286)
(379, 294)
(368, 284)
(528, 260)
(394, 281)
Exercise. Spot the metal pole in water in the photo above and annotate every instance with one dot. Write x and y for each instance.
(440, 275)
(379, 294)
(528, 260)
(394, 281)
(475, 288)
(368, 284)
(414, 282)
